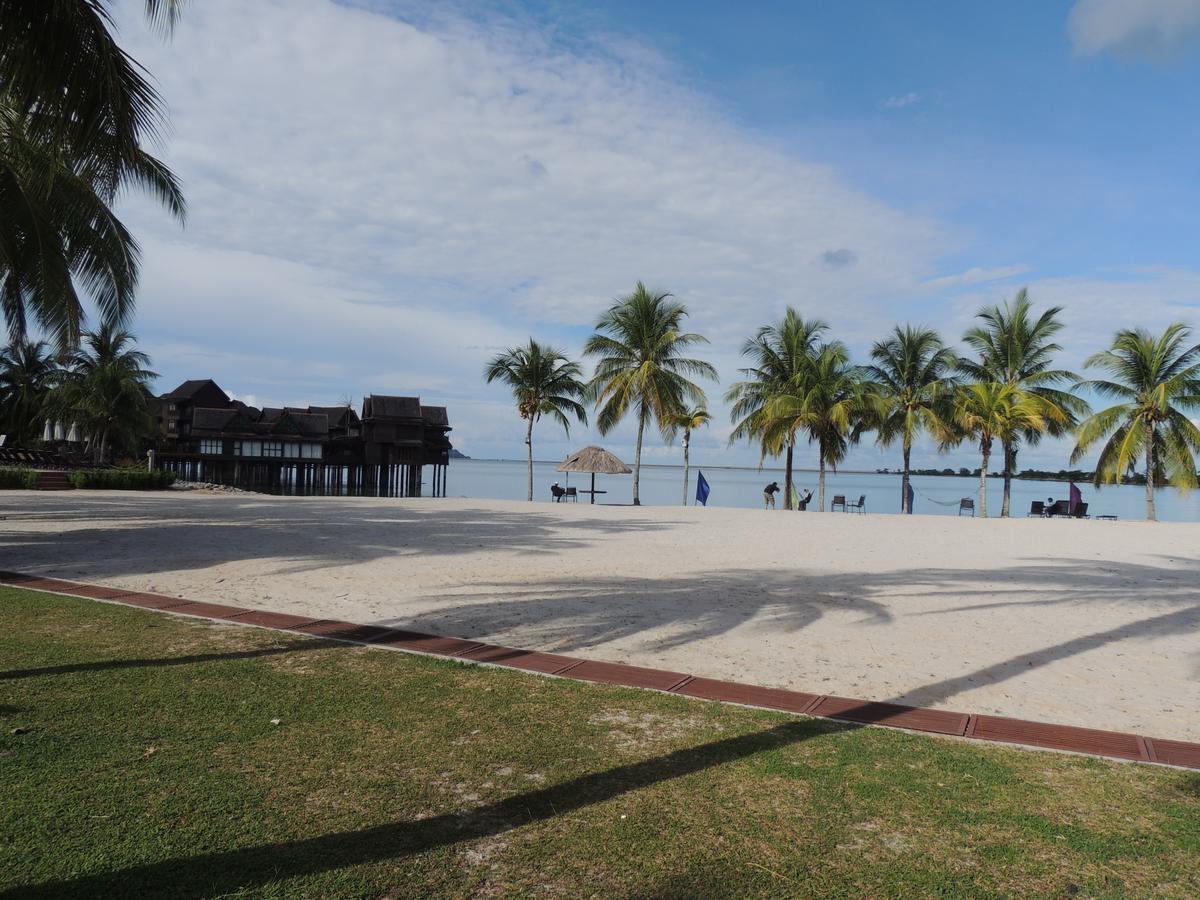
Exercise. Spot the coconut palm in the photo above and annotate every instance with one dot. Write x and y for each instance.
(105, 392)
(829, 402)
(640, 367)
(1156, 380)
(1016, 348)
(696, 417)
(780, 355)
(912, 388)
(27, 374)
(994, 410)
(544, 382)
(75, 112)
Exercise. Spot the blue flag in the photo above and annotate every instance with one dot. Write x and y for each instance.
(701, 489)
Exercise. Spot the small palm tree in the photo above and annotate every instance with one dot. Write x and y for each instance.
(1016, 348)
(1157, 381)
(640, 367)
(27, 375)
(993, 410)
(780, 355)
(105, 392)
(696, 417)
(544, 382)
(912, 388)
(830, 402)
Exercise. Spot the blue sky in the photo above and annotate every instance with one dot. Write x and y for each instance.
(384, 194)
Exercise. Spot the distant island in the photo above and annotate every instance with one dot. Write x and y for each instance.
(1024, 475)
(455, 454)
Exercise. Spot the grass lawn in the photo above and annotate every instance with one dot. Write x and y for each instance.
(139, 754)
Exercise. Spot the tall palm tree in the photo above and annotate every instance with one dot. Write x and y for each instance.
(75, 113)
(912, 387)
(830, 403)
(1018, 349)
(1156, 380)
(544, 382)
(640, 367)
(780, 354)
(105, 392)
(687, 421)
(994, 410)
(27, 374)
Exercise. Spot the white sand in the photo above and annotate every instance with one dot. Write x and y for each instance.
(1080, 622)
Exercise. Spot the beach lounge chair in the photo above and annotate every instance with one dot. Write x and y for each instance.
(571, 494)
(838, 500)
(1080, 511)
(1060, 508)
(860, 506)
(1036, 508)
(966, 504)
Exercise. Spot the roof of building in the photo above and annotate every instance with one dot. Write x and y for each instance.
(436, 416)
(190, 389)
(335, 414)
(380, 406)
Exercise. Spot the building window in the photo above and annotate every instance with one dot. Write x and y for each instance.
(171, 426)
(247, 448)
(291, 451)
(171, 407)
(272, 448)
(211, 447)
(311, 451)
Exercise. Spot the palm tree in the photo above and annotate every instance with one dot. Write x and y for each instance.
(639, 343)
(780, 355)
(991, 410)
(545, 383)
(912, 383)
(27, 374)
(1157, 381)
(829, 402)
(105, 391)
(75, 112)
(696, 417)
(1015, 348)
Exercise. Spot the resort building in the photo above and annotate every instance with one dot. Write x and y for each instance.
(205, 435)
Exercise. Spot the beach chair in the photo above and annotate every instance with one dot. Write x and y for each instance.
(1037, 509)
(966, 504)
(571, 494)
(1080, 511)
(1060, 508)
(838, 500)
(860, 506)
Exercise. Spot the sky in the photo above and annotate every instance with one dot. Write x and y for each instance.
(382, 195)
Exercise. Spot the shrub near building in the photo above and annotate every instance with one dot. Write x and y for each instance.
(122, 479)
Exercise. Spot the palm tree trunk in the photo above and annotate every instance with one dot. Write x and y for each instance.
(687, 434)
(1009, 458)
(986, 447)
(637, 458)
(787, 489)
(529, 452)
(821, 468)
(1151, 515)
(905, 506)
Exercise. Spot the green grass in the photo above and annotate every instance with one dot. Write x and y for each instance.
(150, 765)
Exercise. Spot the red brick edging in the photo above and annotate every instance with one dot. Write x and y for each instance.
(1091, 741)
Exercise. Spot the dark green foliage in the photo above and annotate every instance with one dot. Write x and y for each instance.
(18, 478)
(122, 479)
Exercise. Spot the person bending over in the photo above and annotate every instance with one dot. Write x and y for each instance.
(769, 495)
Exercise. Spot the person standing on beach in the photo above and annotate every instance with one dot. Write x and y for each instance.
(769, 495)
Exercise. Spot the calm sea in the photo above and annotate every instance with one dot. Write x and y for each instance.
(663, 486)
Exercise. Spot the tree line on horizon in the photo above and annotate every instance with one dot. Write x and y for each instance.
(799, 383)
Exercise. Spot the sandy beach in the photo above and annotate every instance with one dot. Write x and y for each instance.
(1081, 622)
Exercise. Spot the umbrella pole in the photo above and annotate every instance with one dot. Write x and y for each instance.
(593, 488)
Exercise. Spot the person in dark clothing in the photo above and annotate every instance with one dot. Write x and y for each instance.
(769, 495)
(803, 502)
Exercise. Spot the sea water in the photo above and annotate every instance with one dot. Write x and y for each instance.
(743, 487)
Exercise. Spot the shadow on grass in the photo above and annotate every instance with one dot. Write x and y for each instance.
(245, 868)
(113, 664)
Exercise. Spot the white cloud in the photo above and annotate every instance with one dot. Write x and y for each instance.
(1135, 28)
(901, 101)
(976, 275)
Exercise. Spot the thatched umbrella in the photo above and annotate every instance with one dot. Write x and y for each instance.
(594, 459)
